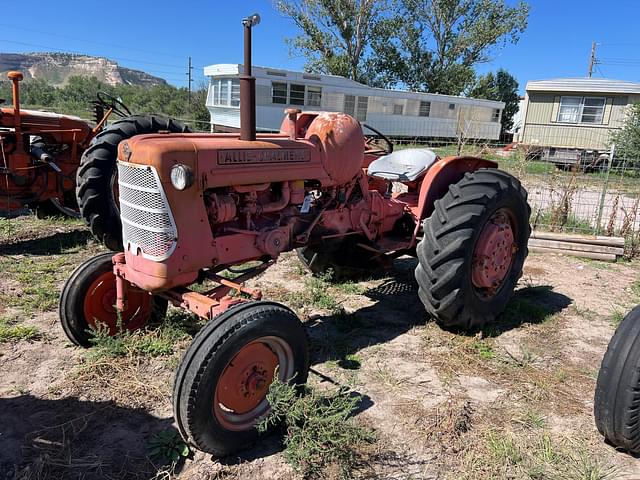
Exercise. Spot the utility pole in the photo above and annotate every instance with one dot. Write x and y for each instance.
(190, 81)
(592, 58)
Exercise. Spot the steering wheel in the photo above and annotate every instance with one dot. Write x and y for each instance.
(371, 148)
(116, 105)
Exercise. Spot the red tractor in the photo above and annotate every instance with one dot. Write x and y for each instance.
(41, 154)
(194, 205)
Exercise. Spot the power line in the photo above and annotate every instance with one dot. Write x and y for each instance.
(84, 40)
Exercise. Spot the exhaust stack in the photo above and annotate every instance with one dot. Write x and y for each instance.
(248, 85)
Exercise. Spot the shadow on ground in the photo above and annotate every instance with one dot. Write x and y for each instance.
(397, 309)
(59, 242)
(71, 438)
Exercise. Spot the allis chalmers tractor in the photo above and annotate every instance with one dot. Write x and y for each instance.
(194, 205)
(41, 154)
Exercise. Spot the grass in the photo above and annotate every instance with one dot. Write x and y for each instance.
(504, 454)
(320, 433)
(9, 330)
(159, 341)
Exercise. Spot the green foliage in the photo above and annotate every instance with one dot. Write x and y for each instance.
(153, 343)
(501, 86)
(320, 432)
(9, 330)
(75, 96)
(627, 139)
(425, 45)
(169, 445)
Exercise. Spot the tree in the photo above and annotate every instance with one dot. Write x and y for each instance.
(335, 34)
(502, 87)
(627, 139)
(424, 45)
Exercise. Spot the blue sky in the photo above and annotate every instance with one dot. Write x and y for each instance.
(159, 36)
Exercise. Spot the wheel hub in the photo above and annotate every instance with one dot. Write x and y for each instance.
(100, 311)
(245, 381)
(493, 253)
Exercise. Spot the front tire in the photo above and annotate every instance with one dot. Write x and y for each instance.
(96, 176)
(88, 302)
(220, 388)
(473, 249)
(617, 398)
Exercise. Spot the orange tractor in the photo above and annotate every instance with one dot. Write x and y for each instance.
(194, 205)
(41, 152)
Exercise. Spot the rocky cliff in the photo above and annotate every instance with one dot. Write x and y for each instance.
(56, 68)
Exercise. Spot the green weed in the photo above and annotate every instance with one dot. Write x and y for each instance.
(9, 331)
(484, 349)
(168, 445)
(320, 432)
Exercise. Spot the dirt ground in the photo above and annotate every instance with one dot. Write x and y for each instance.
(513, 401)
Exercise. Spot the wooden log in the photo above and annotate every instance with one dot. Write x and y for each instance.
(580, 247)
(574, 237)
(608, 257)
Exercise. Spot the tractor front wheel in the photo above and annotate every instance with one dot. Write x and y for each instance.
(220, 389)
(473, 249)
(617, 396)
(88, 299)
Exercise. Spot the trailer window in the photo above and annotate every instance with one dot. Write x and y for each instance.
(350, 105)
(581, 109)
(296, 95)
(398, 109)
(279, 92)
(361, 111)
(314, 96)
(452, 106)
(496, 115)
(223, 98)
(425, 109)
(235, 92)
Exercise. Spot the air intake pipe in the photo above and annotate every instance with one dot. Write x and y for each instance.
(248, 85)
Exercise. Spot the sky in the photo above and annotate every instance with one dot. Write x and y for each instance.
(159, 36)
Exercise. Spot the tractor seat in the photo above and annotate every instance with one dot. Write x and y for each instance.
(403, 165)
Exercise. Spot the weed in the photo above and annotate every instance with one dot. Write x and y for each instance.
(350, 362)
(616, 317)
(168, 445)
(320, 432)
(531, 419)
(350, 288)
(17, 332)
(504, 448)
(153, 343)
(484, 349)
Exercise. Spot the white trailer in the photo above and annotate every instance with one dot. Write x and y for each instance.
(395, 113)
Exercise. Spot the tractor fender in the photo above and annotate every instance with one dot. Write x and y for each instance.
(440, 176)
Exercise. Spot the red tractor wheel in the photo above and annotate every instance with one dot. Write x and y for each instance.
(88, 302)
(473, 249)
(221, 385)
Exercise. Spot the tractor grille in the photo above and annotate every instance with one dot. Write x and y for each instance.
(147, 223)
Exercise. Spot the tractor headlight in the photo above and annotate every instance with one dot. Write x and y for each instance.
(181, 177)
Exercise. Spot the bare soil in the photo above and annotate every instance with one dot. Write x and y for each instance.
(512, 401)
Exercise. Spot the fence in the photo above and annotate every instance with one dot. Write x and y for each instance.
(596, 197)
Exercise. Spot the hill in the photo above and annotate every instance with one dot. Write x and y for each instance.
(56, 68)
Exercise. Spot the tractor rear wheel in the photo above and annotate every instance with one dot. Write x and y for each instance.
(88, 302)
(220, 389)
(617, 396)
(96, 177)
(473, 249)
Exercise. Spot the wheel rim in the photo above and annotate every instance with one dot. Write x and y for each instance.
(494, 253)
(100, 310)
(240, 395)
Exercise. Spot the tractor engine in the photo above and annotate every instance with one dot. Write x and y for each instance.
(191, 202)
